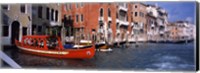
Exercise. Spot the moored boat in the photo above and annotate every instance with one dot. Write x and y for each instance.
(52, 47)
(101, 45)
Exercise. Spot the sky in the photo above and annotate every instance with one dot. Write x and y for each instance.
(178, 10)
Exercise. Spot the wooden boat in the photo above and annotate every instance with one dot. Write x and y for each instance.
(101, 45)
(52, 47)
(106, 50)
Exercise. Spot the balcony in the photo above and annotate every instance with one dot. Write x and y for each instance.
(123, 8)
(109, 19)
(101, 30)
(152, 25)
(117, 20)
(132, 24)
(52, 23)
(109, 30)
(125, 23)
(161, 32)
(101, 19)
(137, 26)
(118, 31)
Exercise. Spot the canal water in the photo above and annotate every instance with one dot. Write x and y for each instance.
(147, 56)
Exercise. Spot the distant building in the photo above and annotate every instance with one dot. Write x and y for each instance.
(16, 22)
(161, 21)
(44, 17)
(139, 21)
(151, 27)
(173, 32)
(180, 30)
(107, 20)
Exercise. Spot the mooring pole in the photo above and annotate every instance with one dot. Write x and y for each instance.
(8, 60)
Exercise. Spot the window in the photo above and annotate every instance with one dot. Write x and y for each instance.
(135, 6)
(70, 6)
(70, 17)
(5, 31)
(116, 15)
(140, 14)
(34, 11)
(52, 14)
(66, 7)
(47, 13)
(109, 24)
(77, 18)
(39, 28)
(81, 17)
(33, 28)
(117, 25)
(5, 7)
(5, 19)
(127, 18)
(40, 11)
(101, 12)
(81, 4)
(23, 8)
(136, 14)
(24, 30)
(77, 5)
(109, 12)
(131, 19)
(56, 19)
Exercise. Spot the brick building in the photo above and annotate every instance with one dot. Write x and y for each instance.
(105, 20)
(139, 21)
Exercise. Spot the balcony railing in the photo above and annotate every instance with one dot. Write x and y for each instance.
(123, 8)
(109, 19)
(117, 20)
(101, 19)
(118, 31)
(52, 23)
(125, 23)
(132, 24)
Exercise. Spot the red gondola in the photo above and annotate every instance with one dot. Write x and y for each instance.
(52, 47)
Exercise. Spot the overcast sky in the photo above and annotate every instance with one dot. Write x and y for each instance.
(178, 10)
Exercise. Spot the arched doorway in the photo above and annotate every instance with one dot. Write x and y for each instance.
(15, 31)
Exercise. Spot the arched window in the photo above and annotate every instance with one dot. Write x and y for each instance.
(101, 12)
(109, 12)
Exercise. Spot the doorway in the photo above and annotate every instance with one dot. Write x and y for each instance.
(15, 31)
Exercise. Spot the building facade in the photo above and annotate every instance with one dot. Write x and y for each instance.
(161, 21)
(16, 22)
(180, 30)
(108, 21)
(152, 29)
(45, 17)
(139, 21)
